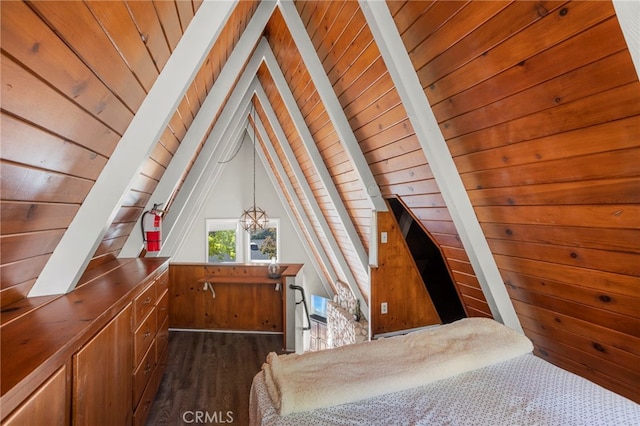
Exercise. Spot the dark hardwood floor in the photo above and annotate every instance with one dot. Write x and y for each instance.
(211, 374)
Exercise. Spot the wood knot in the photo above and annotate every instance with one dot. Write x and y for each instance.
(508, 231)
(564, 11)
(574, 255)
(598, 347)
(605, 298)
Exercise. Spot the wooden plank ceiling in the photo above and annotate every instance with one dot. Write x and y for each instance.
(539, 104)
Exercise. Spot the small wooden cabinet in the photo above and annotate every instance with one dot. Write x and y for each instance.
(47, 405)
(100, 369)
(318, 334)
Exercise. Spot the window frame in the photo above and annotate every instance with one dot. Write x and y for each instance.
(243, 239)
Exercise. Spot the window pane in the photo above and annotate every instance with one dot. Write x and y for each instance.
(222, 246)
(263, 245)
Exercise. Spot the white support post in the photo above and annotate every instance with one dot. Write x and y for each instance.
(74, 251)
(210, 108)
(440, 160)
(314, 154)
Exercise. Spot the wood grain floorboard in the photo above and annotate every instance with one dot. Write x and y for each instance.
(210, 373)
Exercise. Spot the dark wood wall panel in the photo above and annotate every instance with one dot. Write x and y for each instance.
(541, 117)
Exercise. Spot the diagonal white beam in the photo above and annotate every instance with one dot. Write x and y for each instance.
(316, 158)
(198, 129)
(308, 194)
(74, 251)
(332, 105)
(440, 160)
(296, 208)
(207, 169)
(182, 213)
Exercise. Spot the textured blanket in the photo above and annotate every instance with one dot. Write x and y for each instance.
(355, 372)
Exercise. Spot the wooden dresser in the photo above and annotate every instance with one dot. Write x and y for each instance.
(93, 356)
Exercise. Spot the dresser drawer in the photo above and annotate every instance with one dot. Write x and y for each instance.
(143, 373)
(162, 283)
(162, 338)
(144, 303)
(162, 308)
(143, 336)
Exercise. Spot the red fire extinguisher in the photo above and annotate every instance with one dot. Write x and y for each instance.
(152, 228)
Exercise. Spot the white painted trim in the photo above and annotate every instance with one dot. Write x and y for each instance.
(202, 170)
(440, 161)
(312, 149)
(304, 185)
(198, 129)
(297, 205)
(332, 105)
(628, 12)
(84, 234)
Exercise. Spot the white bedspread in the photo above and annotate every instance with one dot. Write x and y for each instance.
(524, 391)
(298, 383)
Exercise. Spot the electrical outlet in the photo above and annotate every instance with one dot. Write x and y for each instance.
(384, 308)
(383, 237)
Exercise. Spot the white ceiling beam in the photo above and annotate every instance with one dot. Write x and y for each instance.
(297, 205)
(316, 158)
(198, 129)
(190, 201)
(440, 160)
(84, 234)
(201, 171)
(332, 104)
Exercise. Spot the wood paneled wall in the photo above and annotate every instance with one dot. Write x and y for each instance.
(373, 108)
(542, 118)
(74, 74)
(246, 306)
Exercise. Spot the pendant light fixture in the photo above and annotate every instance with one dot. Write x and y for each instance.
(254, 218)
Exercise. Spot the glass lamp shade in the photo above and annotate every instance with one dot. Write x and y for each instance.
(254, 219)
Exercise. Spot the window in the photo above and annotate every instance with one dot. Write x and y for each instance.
(227, 242)
(222, 240)
(263, 245)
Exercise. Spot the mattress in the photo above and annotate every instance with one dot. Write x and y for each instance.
(526, 390)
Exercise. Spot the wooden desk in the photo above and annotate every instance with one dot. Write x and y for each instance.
(244, 298)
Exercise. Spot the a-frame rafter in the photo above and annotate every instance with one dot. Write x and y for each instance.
(74, 251)
(440, 160)
(210, 108)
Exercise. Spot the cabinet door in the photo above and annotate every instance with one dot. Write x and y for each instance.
(46, 406)
(102, 382)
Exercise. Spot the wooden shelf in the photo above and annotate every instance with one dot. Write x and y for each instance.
(237, 279)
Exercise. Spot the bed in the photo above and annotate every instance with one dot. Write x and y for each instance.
(471, 372)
